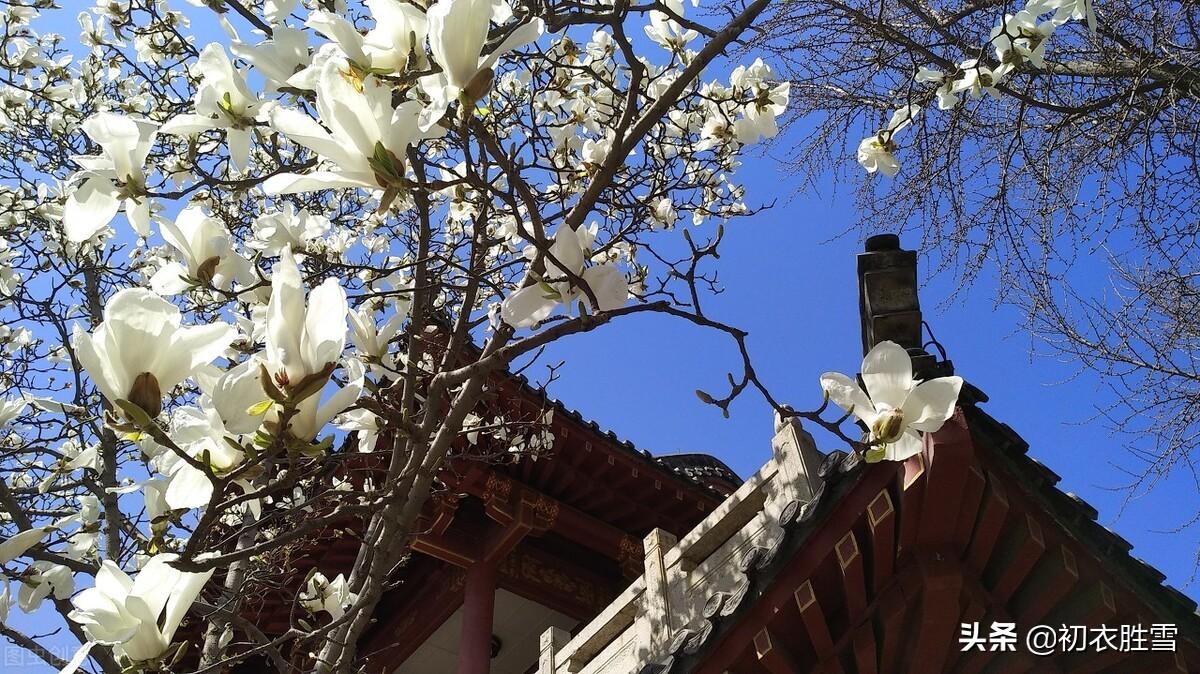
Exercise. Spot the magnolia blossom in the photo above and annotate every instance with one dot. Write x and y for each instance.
(204, 253)
(304, 345)
(223, 102)
(663, 213)
(201, 433)
(362, 422)
(895, 406)
(43, 579)
(666, 32)
(138, 616)
(371, 340)
(140, 349)
(978, 79)
(331, 597)
(287, 228)
(1023, 34)
(534, 303)
(279, 58)
(367, 138)
(876, 152)
(111, 178)
(399, 29)
(458, 30)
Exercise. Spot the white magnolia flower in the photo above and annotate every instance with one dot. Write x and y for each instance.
(304, 345)
(1024, 34)
(204, 252)
(978, 79)
(138, 616)
(371, 340)
(111, 178)
(663, 213)
(458, 31)
(399, 30)
(233, 393)
(223, 102)
(331, 597)
(140, 350)
(287, 228)
(367, 139)
(363, 422)
(667, 33)
(278, 58)
(877, 153)
(201, 433)
(42, 579)
(895, 406)
(534, 303)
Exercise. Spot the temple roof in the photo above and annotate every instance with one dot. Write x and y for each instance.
(819, 562)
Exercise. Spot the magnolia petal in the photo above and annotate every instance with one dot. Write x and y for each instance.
(338, 29)
(847, 395)
(239, 147)
(344, 397)
(169, 279)
(887, 372)
(440, 93)
(285, 317)
(931, 403)
(567, 250)
(112, 581)
(192, 347)
(138, 213)
(235, 392)
(77, 660)
(609, 286)
(458, 30)
(294, 183)
(520, 37)
(18, 545)
(527, 307)
(89, 208)
(304, 130)
(189, 488)
(324, 335)
(99, 367)
(183, 595)
(188, 125)
(909, 444)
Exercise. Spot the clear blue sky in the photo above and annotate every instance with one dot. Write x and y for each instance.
(790, 281)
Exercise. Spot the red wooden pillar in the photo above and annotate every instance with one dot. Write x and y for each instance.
(479, 602)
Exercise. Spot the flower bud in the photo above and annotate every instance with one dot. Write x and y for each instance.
(145, 394)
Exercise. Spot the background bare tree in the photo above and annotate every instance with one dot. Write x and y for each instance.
(1088, 162)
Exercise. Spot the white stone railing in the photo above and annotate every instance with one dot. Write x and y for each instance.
(667, 603)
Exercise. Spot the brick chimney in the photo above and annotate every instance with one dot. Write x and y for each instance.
(888, 303)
